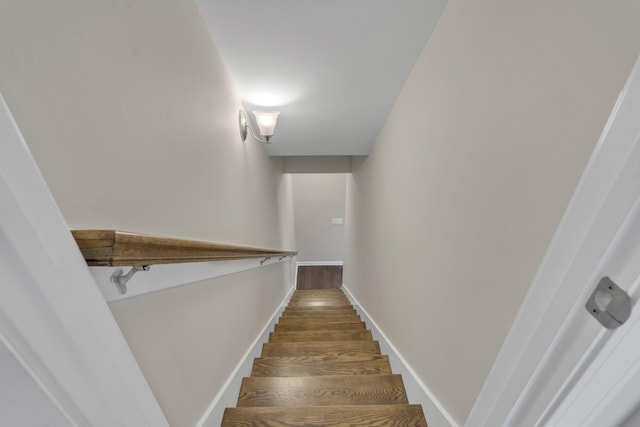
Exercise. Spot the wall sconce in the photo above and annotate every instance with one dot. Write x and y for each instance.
(266, 121)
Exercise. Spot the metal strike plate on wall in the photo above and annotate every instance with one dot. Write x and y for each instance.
(609, 304)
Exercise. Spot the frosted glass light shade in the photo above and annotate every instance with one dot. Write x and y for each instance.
(266, 121)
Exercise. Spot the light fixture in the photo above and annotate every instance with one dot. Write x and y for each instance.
(266, 121)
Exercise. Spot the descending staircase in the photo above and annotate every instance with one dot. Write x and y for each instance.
(321, 367)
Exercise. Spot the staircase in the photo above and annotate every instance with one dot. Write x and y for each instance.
(321, 367)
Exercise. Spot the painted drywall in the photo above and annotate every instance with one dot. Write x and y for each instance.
(20, 394)
(189, 339)
(450, 215)
(132, 117)
(287, 223)
(318, 198)
(317, 164)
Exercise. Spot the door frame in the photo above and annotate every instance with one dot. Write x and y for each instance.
(53, 318)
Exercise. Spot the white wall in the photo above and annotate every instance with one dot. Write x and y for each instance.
(450, 215)
(132, 118)
(319, 197)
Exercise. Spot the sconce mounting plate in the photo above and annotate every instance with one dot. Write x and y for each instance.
(242, 124)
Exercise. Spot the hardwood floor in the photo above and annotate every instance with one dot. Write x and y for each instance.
(321, 367)
(319, 277)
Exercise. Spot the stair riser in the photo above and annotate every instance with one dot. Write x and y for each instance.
(336, 348)
(319, 326)
(308, 336)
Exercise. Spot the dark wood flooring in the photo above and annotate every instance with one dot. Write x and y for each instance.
(319, 277)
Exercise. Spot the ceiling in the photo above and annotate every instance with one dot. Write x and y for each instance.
(333, 68)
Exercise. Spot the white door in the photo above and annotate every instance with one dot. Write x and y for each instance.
(604, 388)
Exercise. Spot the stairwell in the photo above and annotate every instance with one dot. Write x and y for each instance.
(321, 367)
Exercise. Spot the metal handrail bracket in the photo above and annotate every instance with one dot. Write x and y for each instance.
(120, 279)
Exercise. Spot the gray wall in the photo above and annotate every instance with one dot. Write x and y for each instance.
(451, 214)
(317, 199)
(132, 118)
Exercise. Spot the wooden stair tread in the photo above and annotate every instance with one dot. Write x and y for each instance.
(325, 312)
(307, 336)
(397, 415)
(314, 320)
(321, 367)
(327, 295)
(328, 348)
(305, 309)
(344, 318)
(334, 297)
(319, 298)
(317, 291)
(322, 391)
(326, 317)
(367, 364)
(319, 303)
(321, 325)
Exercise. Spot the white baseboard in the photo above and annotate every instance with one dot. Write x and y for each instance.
(228, 394)
(312, 263)
(417, 391)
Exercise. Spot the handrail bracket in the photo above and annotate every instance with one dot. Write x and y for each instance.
(120, 279)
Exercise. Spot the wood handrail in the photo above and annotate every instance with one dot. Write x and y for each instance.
(119, 248)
